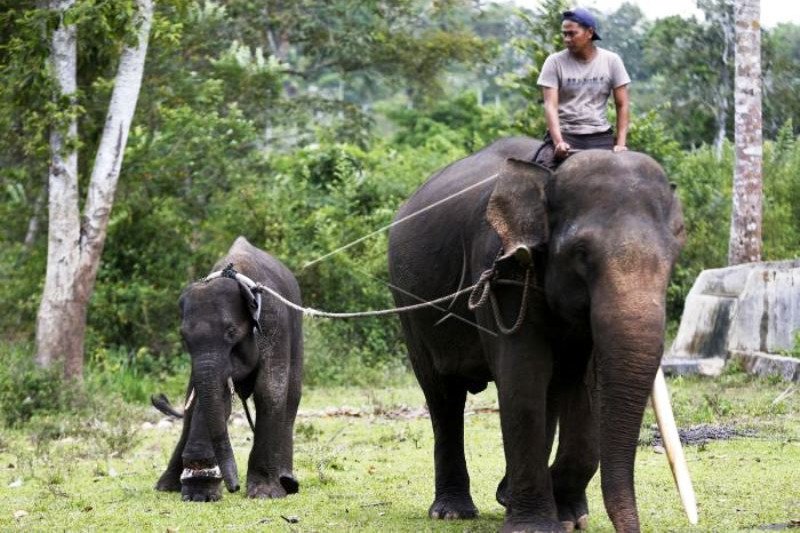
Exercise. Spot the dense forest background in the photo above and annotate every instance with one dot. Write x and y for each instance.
(303, 125)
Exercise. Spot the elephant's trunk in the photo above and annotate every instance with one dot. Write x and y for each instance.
(629, 340)
(211, 390)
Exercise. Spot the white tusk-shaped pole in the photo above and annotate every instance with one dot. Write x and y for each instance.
(672, 445)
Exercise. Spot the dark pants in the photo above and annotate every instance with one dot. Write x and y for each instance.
(545, 155)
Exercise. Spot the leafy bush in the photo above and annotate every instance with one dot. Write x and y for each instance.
(26, 390)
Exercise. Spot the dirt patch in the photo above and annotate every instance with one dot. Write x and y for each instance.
(394, 412)
(700, 434)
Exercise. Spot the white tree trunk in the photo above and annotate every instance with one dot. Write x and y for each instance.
(64, 215)
(745, 237)
(74, 247)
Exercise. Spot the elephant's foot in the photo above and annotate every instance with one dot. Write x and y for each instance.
(502, 492)
(169, 482)
(453, 507)
(201, 490)
(290, 484)
(573, 512)
(272, 488)
(265, 490)
(201, 484)
(532, 525)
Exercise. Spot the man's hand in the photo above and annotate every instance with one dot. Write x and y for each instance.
(620, 148)
(562, 150)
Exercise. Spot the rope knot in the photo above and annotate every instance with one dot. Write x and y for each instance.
(484, 288)
(481, 289)
(229, 272)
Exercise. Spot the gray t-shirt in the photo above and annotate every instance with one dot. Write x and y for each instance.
(583, 88)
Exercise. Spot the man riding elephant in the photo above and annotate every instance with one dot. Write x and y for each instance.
(576, 85)
(567, 318)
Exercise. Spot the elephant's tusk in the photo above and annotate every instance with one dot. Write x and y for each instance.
(672, 445)
(189, 401)
(230, 385)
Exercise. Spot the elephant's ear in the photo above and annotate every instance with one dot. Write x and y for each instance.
(252, 301)
(676, 217)
(517, 209)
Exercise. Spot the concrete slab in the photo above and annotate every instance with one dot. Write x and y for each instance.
(753, 307)
(765, 364)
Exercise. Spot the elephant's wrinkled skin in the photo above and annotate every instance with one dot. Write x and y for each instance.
(602, 233)
(220, 332)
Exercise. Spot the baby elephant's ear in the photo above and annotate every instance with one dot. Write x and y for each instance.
(252, 300)
(517, 209)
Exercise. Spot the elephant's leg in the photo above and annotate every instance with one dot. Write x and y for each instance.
(452, 499)
(553, 399)
(276, 396)
(570, 406)
(523, 367)
(578, 455)
(198, 455)
(170, 480)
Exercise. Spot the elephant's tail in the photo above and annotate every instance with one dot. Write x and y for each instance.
(161, 403)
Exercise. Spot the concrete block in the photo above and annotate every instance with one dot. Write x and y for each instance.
(768, 312)
(765, 364)
(711, 366)
(754, 307)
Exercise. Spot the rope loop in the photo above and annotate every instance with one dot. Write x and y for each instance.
(523, 308)
(482, 287)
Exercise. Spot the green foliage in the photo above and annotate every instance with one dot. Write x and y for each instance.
(691, 63)
(461, 121)
(781, 224)
(649, 134)
(624, 32)
(26, 390)
(135, 376)
(780, 50)
(542, 37)
(305, 126)
(41, 401)
(704, 187)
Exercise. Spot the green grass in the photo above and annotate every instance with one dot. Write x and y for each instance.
(374, 471)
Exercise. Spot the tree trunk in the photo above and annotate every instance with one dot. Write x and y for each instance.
(55, 321)
(745, 237)
(74, 246)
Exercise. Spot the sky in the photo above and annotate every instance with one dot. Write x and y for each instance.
(772, 11)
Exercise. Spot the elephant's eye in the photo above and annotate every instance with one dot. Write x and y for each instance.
(580, 252)
(231, 332)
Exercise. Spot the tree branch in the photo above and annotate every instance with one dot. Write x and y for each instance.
(108, 162)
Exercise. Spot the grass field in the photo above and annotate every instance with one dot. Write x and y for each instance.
(364, 460)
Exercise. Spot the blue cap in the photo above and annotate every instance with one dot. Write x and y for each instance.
(582, 17)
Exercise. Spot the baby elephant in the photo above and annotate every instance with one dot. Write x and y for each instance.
(238, 344)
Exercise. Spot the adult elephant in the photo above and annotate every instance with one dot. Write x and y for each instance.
(578, 260)
(238, 345)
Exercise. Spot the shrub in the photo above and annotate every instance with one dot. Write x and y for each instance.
(27, 390)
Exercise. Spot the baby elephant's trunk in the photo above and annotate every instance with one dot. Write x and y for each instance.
(211, 390)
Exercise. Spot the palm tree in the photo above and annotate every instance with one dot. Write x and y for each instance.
(745, 238)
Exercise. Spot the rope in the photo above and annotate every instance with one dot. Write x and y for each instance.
(523, 308)
(396, 222)
(311, 312)
(247, 413)
(482, 287)
(484, 282)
